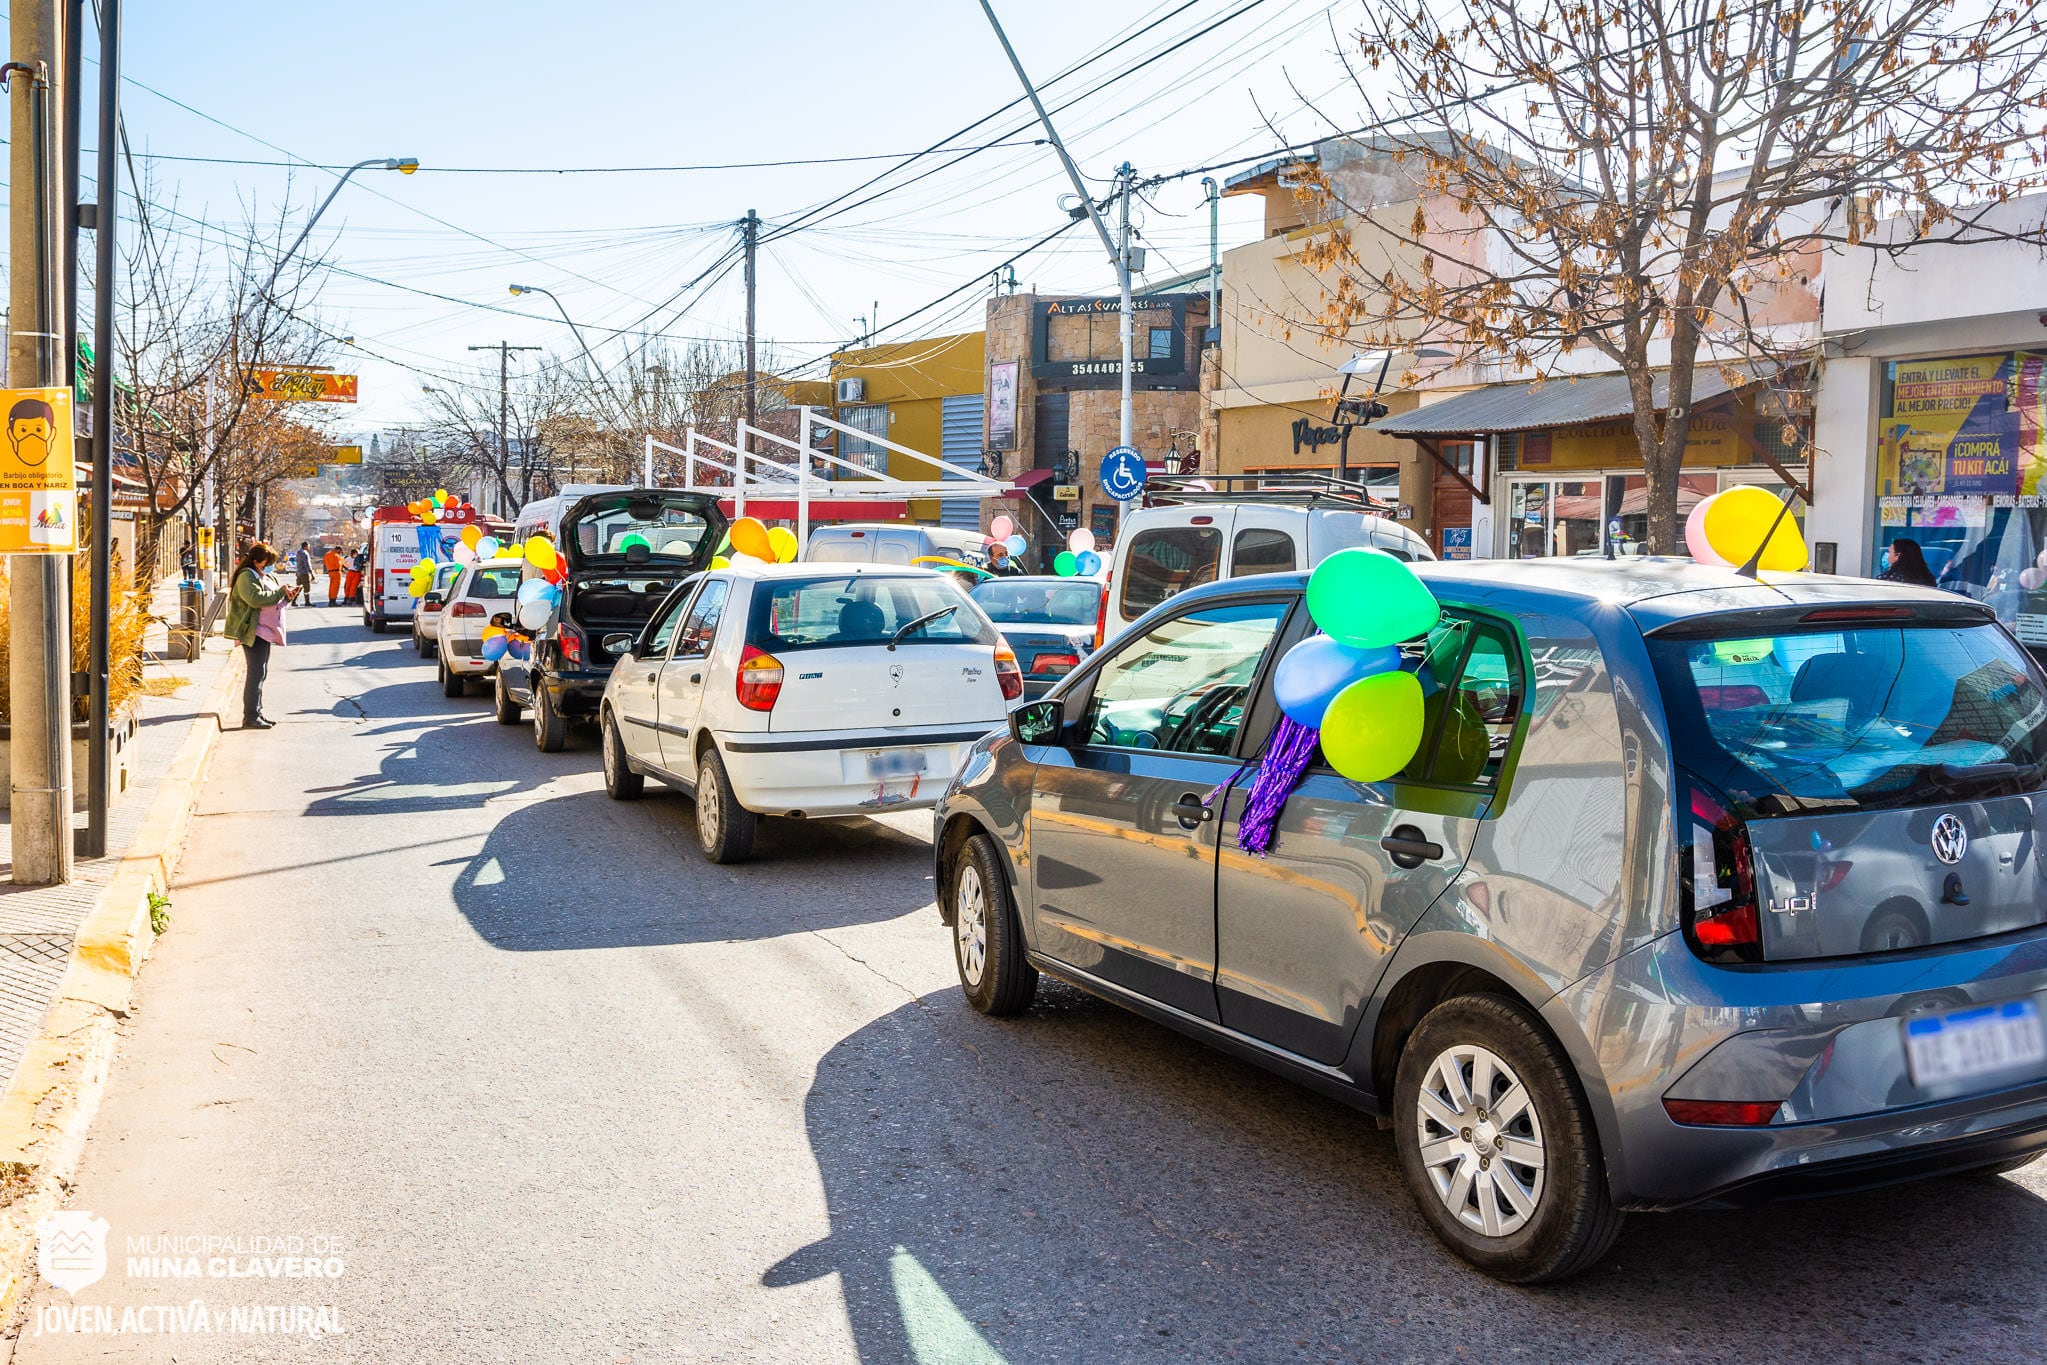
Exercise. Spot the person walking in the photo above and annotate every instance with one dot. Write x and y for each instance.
(253, 592)
(333, 565)
(351, 592)
(1906, 563)
(302, 566)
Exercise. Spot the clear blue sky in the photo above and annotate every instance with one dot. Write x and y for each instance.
(611, 84)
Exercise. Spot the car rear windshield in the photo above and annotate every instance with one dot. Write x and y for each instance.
(501, 582)
(861, 609)
(1861, 718)
(1052, 603)
(671, 532)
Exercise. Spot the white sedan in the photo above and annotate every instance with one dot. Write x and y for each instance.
(803, 690)
(484, 589)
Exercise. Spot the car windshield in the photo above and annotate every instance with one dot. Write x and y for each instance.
(864, 609)
(1857, 718)
(671, 532)
(1054, 602)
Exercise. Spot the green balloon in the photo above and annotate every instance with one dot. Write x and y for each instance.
(1374, 726)
(1367, 599)
(1066, 564)
(632, 538)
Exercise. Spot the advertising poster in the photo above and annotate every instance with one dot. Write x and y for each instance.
(38, 476)
(1456, 542)
(1951, 430)
(1002, 405)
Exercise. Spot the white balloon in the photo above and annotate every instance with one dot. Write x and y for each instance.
(1081, 541)
(533, 615)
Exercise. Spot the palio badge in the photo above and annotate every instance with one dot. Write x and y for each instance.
(38, 478)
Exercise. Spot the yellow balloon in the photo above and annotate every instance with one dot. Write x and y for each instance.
(540, 553)
(782, 541)
(1739, 518)
(750, 537)
(440, 495)
(720, 562)
(471, 534)
(429, 518)
(1374, 726)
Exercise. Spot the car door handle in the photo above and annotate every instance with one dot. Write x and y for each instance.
(696, 677)
(650, 677)
(1410, 847)
(1192, 811)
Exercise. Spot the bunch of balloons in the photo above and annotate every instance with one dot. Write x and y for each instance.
(431, 508)
(752, 537)
(422, 581)
(1726, 528)
(1079, 556)
(1002, 531)
(537, 600)
(497, 642)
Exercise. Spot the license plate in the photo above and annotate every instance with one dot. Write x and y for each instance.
(882, 764)
(1974, 1042)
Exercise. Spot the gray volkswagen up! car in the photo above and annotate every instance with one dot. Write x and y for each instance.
(1741, 899)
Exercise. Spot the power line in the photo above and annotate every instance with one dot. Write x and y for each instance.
(569, 170)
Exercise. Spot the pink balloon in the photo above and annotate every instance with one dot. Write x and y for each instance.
(2031, 579)
(1002, 528)
(1695, 535)
(1081, 540)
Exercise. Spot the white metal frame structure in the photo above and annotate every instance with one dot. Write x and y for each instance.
(789, 467)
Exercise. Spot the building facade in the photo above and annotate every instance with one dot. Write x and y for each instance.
(926, 395)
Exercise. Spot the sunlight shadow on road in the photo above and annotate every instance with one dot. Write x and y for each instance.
(1081, 1184)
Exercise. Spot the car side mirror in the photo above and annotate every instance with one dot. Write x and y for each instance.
(1038, 722)
(619, 642)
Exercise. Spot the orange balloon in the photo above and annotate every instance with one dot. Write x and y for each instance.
(471, 534)
(750, 537)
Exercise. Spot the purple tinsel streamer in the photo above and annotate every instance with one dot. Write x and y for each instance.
(1286, 758)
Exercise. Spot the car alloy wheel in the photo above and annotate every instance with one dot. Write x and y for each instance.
(708, 799)
(970, 923)
(1481, 1140)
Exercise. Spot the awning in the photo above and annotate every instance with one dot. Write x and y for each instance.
(1538, 406)
(1031, 478)
(821, 509)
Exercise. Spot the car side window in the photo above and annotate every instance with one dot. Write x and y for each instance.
(1472, 698)
(664, 629)
(702, 625)
(1261, 549)
(1166, 560)
(1183, 685)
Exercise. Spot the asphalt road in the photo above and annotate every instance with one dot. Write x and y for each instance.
(561, 1091)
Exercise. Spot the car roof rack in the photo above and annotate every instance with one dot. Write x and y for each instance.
(1307, 490)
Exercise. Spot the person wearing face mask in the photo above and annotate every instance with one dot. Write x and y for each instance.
(252, 593)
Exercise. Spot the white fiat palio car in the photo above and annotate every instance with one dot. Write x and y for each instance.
(803, 690)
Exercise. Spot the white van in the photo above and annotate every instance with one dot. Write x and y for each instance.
(893, 543)
(1164, 550)
(543, 516)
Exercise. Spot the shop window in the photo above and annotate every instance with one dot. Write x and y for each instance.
(1161, 343)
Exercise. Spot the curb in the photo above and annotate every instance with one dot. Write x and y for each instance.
(49, 1106)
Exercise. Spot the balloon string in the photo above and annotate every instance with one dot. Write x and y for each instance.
(1286, 759)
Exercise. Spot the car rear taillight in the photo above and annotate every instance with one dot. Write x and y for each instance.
(1102, 612)
(466, 609)
(760, 679)
(570, 641)
(1007, 675)
(1717, 881)
(1832, 875)
(1723, 1113)
(1058, 665)
(429, 606)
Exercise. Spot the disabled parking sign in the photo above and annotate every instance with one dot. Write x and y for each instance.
(1123, 473)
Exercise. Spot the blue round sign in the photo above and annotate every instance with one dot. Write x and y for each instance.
(1123, 473)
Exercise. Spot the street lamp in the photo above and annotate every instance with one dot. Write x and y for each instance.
(404, 165)
(595, 368)
(1361, 411)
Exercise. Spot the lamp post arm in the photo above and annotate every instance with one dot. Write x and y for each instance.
(307, 230)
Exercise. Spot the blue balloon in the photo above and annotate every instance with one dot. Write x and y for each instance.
(1087, 562)
(1017, 545)
(1315, 670)
(496, 647)
(533, 590)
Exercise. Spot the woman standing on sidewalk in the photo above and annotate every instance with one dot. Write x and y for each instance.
(253, 590)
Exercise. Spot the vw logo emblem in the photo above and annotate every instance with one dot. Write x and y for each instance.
(1950, 840)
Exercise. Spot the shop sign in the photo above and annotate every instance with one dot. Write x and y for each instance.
(1932, 512)
(1066, 492)
(38, 477)
(1002, 405)
(302, 386)
(1713, 439)
(1312, 437)
(1456, 542)
(1953, 427)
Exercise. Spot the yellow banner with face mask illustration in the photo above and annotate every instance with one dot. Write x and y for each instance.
(38, 476)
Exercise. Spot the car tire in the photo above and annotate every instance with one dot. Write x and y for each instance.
(453, 684)
(987, 937)
(550, 730)
(621, 783)
(1525, 1202)
(376, 626)
(725, 829)
(507, 708)
(419, 644)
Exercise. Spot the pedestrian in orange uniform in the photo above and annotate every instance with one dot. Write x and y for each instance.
(351, 590)
(332, 564)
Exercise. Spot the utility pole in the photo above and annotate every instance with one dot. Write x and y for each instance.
(1215, 266)
(1119, 250)
(750, 227)
(39, 666)
(504, 350)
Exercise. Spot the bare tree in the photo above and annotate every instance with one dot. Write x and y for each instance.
(1649, 180)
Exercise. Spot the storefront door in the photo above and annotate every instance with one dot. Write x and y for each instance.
(1549, 517)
